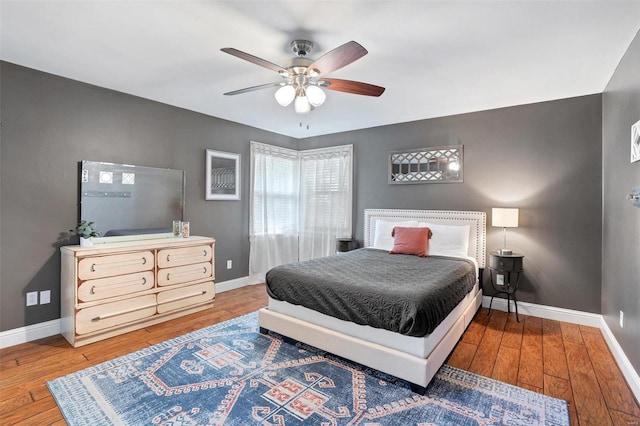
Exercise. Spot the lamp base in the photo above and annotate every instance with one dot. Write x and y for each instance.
(505, 251)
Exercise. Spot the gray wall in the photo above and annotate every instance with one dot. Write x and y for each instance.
(544, 158)
(621, 221)
(50, 123)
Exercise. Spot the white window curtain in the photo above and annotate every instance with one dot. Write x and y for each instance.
(301, 201)
(325, 199)
(273, 213)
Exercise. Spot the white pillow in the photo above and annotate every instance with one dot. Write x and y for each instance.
(448, 240)
(382, 238)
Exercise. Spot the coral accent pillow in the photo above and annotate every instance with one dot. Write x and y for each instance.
(411, 241)
(383, 239)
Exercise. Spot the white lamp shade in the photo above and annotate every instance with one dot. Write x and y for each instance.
(315, 95)
(505, 218)
(302, 105)
(285, 95)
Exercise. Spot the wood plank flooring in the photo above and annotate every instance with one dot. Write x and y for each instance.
(559, 359)
(556, 358)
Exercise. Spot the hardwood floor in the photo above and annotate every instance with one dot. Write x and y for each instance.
(555, 358)
(558, 359)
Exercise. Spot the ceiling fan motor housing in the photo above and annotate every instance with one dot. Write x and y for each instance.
(297, 65)
(301, 47)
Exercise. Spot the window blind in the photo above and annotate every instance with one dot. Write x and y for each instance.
(301, 195)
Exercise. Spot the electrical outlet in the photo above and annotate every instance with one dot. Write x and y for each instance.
(621, 319)
(229, 264)
(45, 297)
(32, 298)
(500, 279)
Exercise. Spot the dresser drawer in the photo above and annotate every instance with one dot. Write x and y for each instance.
(184, 256)
(184, 274)
(103, 288)
(114, 314)
(117, 264)
(184, 297)
(501, 263)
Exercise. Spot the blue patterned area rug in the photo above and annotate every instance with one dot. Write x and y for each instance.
(231, 374)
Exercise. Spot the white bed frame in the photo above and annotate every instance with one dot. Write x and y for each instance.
(416, 370)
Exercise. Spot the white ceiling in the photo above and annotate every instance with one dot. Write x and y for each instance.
(435, 58)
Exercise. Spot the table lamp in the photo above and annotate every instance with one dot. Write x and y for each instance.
(505, 218)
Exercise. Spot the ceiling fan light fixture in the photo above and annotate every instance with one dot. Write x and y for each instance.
(302, 105)
(285, 95)
(315, 95)
(303, 78)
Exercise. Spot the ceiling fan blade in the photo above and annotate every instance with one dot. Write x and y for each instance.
(254, 59)
(349, 86)
(253, 88)
(338, 58)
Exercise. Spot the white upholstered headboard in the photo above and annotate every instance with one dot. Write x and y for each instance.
(477, 222)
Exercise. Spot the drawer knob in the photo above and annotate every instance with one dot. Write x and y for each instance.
(202, 292)
(204, 254)
(188, 272)
(121, 263)
(122, 284)
(127, 311)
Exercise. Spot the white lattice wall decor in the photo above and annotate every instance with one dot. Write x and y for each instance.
(442, 164)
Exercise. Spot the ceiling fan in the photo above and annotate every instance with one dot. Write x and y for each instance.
(302, 79)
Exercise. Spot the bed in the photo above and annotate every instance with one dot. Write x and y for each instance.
(402, 350)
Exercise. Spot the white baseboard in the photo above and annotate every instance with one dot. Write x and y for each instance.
(633, 379)
(51, 328)
(231, 284)
(546, 312)
(576, 317)
(29, 333)
(236, 283)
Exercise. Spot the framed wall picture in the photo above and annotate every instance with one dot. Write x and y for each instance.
(635, 142)
(222, 176)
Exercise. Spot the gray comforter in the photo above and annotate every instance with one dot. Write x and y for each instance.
(401, 293)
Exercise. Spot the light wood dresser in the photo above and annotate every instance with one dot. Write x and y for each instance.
(117, 287)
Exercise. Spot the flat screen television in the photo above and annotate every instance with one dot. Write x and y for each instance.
(123, 199)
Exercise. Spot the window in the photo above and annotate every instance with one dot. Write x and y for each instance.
(301, 201)
(325, 199)
(274, 192)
